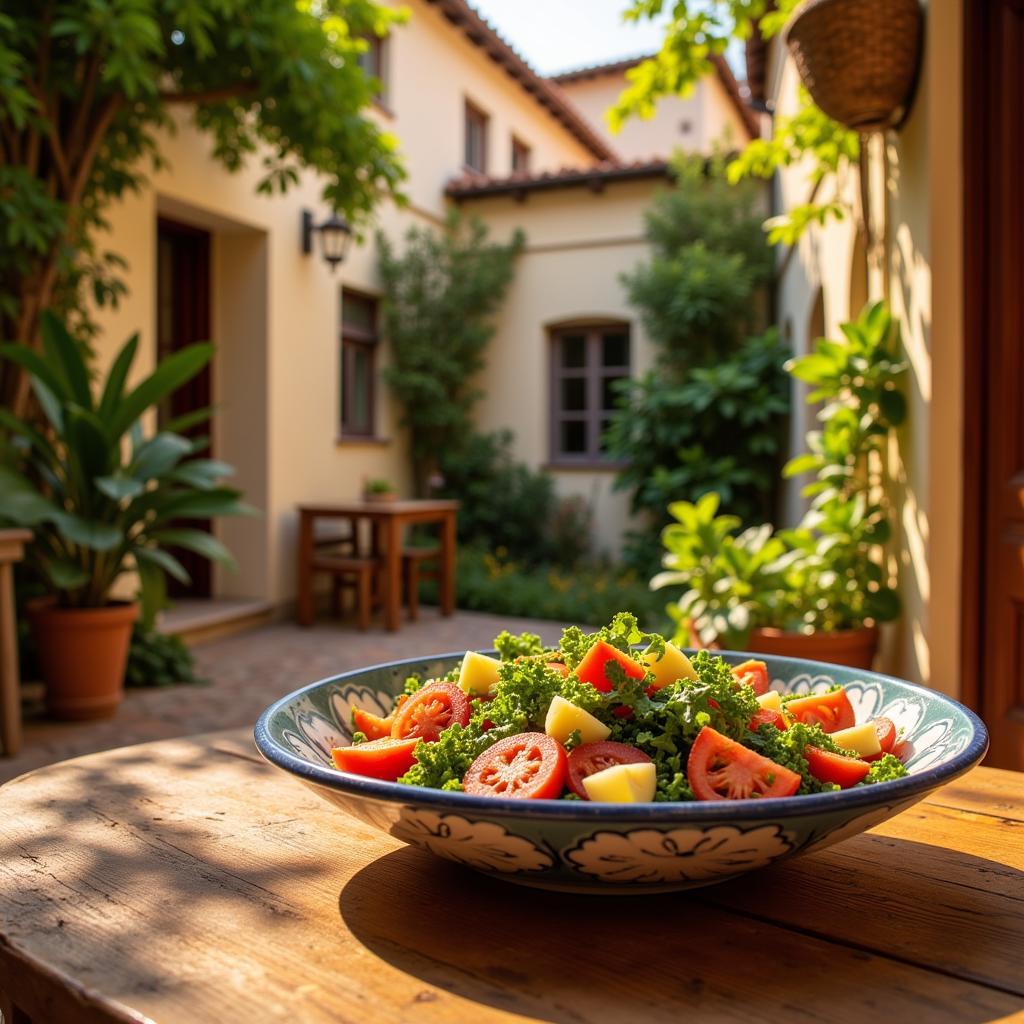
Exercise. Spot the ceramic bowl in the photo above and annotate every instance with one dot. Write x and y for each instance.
(610, 848)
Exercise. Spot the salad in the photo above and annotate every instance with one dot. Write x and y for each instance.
(619, 716)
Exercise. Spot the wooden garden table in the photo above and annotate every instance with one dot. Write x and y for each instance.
(388, 518)
(187, 881)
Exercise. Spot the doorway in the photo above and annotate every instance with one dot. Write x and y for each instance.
(993, 566)
(183, 318)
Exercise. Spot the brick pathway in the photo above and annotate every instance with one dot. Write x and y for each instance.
(248, 671)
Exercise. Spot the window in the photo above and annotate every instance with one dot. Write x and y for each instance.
(374, 62)
(358, 363)
(585, 363)
(475, 156)
(520, 156)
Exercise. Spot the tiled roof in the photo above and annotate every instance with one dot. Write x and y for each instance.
(480, 33)
(721, 66)
(476, 186)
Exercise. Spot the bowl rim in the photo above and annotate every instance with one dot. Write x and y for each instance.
(891, 792)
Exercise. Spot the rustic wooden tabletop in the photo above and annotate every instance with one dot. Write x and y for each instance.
(186, 881)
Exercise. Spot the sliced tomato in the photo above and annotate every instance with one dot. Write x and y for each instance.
(768, 716)
(719, 768)
(593, 668)
(838, 768)
(386, 759)
(560, 667)
(588, 758)
(428, 712)
(529, 766)
(755, 674)
(832, 711)
(372, 726)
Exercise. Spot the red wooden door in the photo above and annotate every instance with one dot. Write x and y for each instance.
(183, 318)
(994, 372)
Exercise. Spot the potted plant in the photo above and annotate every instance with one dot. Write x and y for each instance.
(103, 499)
(818, 590)
(378, 489)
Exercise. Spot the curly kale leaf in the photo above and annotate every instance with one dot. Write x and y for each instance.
(412, 684)
(525, 690)
(623, 633)
(885, 769)
(786, 747)
(442, 764)
(525, 645)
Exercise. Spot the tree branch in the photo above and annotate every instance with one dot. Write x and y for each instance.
(225, 92)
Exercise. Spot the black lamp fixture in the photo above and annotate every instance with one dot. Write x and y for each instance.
(335, 237)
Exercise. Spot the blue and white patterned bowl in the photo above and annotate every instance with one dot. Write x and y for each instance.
(609, 848)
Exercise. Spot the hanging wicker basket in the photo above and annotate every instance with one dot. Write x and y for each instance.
(859, 58)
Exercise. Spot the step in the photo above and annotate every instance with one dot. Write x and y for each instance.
(196, 620)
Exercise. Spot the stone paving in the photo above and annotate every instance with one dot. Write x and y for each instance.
(247, 672)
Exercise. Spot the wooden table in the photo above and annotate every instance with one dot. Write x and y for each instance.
(388, 518)
(12, 547)
(186, 881)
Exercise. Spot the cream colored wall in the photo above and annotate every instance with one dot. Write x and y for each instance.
(925, 290)
(434, 68)
(694, 123)
(578, 245)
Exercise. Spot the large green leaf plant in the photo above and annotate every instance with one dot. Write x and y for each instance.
(829, 572)
(102, 495)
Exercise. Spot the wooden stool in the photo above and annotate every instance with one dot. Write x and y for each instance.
(357, 571)
(412, 573)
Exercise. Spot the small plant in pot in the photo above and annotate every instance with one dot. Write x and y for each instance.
(379, 489)
(103, 499)
(819, 590)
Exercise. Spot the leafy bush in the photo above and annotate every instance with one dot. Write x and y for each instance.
(720, 430)
(589, 594)
(505, 504)
(155, 659)
(439, 296)
(827, 574)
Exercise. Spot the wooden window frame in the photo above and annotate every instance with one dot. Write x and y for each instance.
(473, 113)
(520, 147)
(353, 337)
(594, 372)
(380, 47)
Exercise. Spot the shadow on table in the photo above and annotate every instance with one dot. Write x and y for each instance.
(817, 943)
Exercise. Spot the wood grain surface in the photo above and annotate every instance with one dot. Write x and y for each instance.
(187, 881)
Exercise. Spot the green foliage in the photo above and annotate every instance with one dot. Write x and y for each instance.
(507, 506)
(827, 574)
(84, 96)
(711, 416)
(440, 294)
(490, 582)
(101, 497)
(721, 430)
(698, 294)
(155, 659)
(700, 29)
(378, 485)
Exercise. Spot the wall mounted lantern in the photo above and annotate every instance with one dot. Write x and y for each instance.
(335, 237)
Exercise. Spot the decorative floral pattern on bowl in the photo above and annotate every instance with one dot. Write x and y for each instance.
(619, 847)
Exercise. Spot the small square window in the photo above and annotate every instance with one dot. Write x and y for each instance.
(574, 437)
(374, 62)
(615, 349)
(574, 351)
(574, 394)
(475, 155)
(520, 156)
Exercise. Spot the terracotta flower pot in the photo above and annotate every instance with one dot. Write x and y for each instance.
(82, 655)
(380, 496)
(853, 647)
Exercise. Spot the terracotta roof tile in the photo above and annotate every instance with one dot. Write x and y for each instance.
(480, 33)
(472, 185)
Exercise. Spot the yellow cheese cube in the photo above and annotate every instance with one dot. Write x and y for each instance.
(564, 718)
(672, 665)
(862, 738)
(479, 673)
(772, 699)
(623, 784)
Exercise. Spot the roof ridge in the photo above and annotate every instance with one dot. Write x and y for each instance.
(600, 68)
(472, 184)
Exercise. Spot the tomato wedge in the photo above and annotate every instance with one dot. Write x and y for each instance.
(428, 712)
(885, 730)
(722, 769)
(832, 711)
(529, 766)
(588, 758)
(768, 716)
(754, 673)
(592, 669)
(386, 759)
(838, 768)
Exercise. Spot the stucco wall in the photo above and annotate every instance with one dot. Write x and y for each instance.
(578, 245)
(924, 262)
(694, 123)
